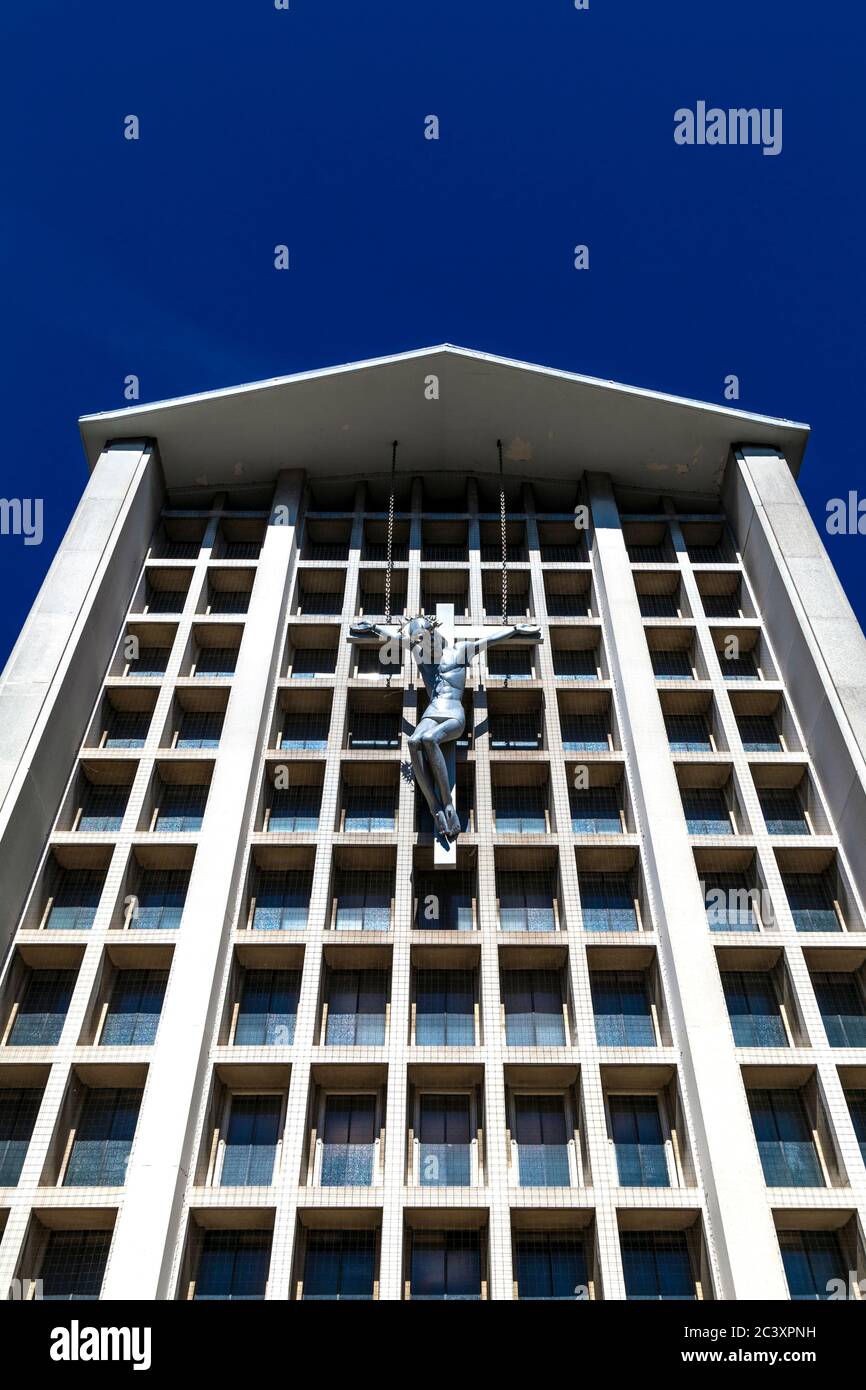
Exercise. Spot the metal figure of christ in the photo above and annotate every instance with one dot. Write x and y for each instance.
(442, 652)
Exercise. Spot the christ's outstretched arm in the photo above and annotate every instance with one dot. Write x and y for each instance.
(501, 634)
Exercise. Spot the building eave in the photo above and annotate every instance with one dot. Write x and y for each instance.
(340, 420)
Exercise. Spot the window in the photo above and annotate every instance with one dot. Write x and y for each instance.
(102, 808)
(520, 810)
(812, 900)
(608, 902)
(621, 1004)
(251, 1137)
(348, 1141)
(841, 1004)
(151, 661)
(639, 1142)
(370, 730)
(160, 899)
(516, 730)
(514, 663)
(541, 1137)
(596, 810)
(268, 1008)
(281, 900)
(306, 731)
(550, 1265)
(533, 1004)
(585, 733)
(444, 1149)
(445, 1008)
(656, 1265)
(18, 1110)
(659, 605)
(729, 900)
(165, 600)
(671, 665)
(42, 1009)
(575, 663)
(721, 605)
(363, 900)
(295, 809)
(706, 811)
(75, 898)
(370, 661)
(738, 668)
(356, 1004)
(216, 661)
(74, 1263)
(783, 811)
(814, 1264)
(315, 661)
(785, 1143)
(134, 1008)
(759, 733)
(857, 1106)
(688, 733)
(445, 907)
(445, 1265)
(526, 900)
(200, 729)
(368, 809)
(340, 1265)
(753, 1009)
(103, 1138)
(181, 807)
(126, 728)
(233, 1265)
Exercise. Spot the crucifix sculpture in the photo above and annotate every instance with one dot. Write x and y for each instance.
(442, 652)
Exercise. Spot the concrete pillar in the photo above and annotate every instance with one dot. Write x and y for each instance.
(740, 1220)
(140, 1263)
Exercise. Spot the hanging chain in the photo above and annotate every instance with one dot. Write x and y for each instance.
(390, 549)
(504, 538)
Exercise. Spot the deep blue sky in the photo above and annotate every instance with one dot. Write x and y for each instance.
(306, 127)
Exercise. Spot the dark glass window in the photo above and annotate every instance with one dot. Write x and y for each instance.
(656, 1265)
(134, 1008)
(43, 1008)
(282, 899)
(340, 1265)
(636, 1130)
(251, 1141)
(18, 1110)
(814, 1264)
(103, 1138)
(268, 1008)
(621, 1003)
(74, 1264)
(444, 1008)
(542, 1141)
(348, 1141)
(363, 900)
(533, 1008)
(784, 1135)
(608, 902)
(75, 898)
(445, 1265)
(356, 1008)
(233, 1265)
(753, 1009)
(526, 901)
(550, 1265)
(841, 1004)
(160, 899)
(811, 898)
(783, 811)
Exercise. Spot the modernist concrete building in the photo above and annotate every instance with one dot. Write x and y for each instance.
(262, 1035)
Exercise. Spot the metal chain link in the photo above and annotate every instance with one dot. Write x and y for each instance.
(504, 538)
(389, 557)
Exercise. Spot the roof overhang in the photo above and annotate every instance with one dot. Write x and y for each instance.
(340, 421)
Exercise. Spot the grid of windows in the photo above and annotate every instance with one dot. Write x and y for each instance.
(532, 895)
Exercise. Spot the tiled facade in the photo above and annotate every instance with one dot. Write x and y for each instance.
(243, 1055)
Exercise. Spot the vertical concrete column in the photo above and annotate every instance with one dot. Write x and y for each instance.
(50, 682)
(500, 1273)
(292, 1176)
(141, 1257)
(741, 1225)
(391, 1264)
(584, 1045)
